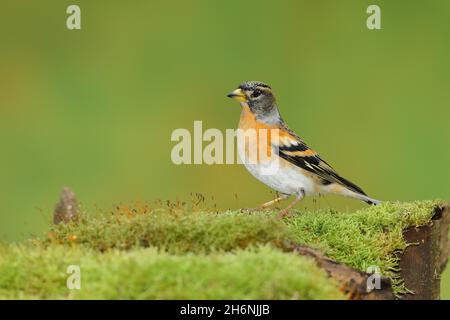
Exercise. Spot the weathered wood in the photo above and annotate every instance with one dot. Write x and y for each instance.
(424, 259)
(67, 208)
(421, 263)
(353, 282)
(444, 241)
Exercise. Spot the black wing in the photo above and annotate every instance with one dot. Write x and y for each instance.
(295, 150)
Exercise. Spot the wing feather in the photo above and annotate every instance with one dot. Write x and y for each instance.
(299, 154)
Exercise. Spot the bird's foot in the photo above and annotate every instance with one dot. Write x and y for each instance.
(258, 208)
(284, 213)
(255, 209)
(247, 210)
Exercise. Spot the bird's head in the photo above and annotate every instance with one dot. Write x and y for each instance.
(257, 95)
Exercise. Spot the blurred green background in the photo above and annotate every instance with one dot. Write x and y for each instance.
(94, 109)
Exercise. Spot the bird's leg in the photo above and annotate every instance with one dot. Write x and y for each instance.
(269, 203)
(299, 196)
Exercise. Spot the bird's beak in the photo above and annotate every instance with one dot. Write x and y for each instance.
(238, 95)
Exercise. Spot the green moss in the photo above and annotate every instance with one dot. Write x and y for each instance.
(258, 273)
(174, 232)
(368, 237)
(205, 242)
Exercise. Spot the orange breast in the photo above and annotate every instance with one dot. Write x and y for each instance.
(256, 136)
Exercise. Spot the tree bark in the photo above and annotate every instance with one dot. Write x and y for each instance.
(424, 260)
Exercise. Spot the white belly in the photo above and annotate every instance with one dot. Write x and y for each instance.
(286, 180)
(273, 171)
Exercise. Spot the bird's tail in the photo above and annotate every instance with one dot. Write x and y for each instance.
(354, 191)
(367, 199)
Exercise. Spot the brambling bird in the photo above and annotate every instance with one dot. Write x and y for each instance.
(300, 171)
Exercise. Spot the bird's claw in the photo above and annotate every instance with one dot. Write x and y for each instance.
(283, 214)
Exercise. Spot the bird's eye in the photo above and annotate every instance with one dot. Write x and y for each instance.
(256, 93)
